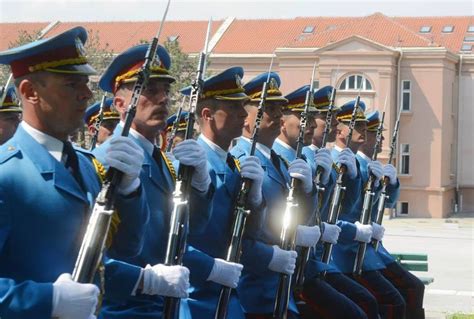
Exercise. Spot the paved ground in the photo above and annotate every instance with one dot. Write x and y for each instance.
(449, 244)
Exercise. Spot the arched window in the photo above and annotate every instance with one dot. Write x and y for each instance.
(353, 82)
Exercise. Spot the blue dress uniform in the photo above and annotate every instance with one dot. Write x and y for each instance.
(213, 243)
(391, 304)
(258, 285)
(409, 286)
(44, 209)
(158, 179)
(335, 296)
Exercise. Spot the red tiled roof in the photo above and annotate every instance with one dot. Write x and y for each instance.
(121, 35)
(376, 27)
(452, 41)
(265, 35)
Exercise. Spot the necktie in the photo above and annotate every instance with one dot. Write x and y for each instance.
(71, 162)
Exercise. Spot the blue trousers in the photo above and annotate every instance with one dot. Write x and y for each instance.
(409, 286)
(391, 303)
(337, 297)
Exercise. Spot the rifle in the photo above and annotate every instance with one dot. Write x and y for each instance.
(303, 256)
(288, 231)
(241, 209)
(383, 194)
(98, 122)
(179, 222)
(91, 251)
(41, 35)
(368, 201)
(174, 129)
(336, 198)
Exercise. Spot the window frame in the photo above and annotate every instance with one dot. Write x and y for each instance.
(404, 155)
(347, 87)
(402, 92)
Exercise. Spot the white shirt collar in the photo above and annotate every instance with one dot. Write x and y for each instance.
(52, 144)
(313, 147)
(146, 144)
(216, 148)
(364, 156)
(337, 148)
(288, 147)
(262, 148)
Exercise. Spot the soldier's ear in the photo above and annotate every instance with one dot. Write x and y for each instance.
(206, 114)
(119, 104)
(27, 91)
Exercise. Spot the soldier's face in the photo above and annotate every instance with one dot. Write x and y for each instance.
(371, 138)
(8, 124)
(320, 126)
(106, 130)
(59, 102)
(229, 118)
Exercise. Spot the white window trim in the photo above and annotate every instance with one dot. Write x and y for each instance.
(402, 153)
(401, 97)
(364, 86)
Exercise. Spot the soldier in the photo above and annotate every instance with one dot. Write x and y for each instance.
(262, 258)
(48, 188)
(391, 303)
(180, 131)
(221, 115)
(108, 123)
(10, 116)
(144, 279)
(409, 286)
(327, 292)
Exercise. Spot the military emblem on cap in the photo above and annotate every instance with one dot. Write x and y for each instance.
(63, 53)
(11, 102)
(253, 88)
(373, 121)
(344, 114)
(126, 66)
(297, 99)
(226, 85)
(322, 99)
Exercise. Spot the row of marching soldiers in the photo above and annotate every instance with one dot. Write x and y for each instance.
(48, 187)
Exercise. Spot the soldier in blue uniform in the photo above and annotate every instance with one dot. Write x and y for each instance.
(409, 286)
(180, 131)
(391, 303)
(143, 280)
(263, 260)
(10, 115)
(221, 115)
(48, 188)
(329, 295)
(109, 121)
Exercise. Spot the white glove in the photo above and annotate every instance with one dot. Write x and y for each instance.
(376, 168)
(300, 170)
(363, 232)
(391, 172)
(72, 300)
(323, 158)
(307, 236)
(225, 273)
(330, 233)
(252, 169)
(283, 261)
(347, 158)
(190, 153)
(126, 156)
(171, 281)
(378, 231)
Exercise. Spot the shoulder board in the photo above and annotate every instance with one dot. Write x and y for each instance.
(8, 151)
(169, 164)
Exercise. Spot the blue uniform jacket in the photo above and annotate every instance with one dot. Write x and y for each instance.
(43, 215)
(121, 275)
(258, 285)
(214, 242)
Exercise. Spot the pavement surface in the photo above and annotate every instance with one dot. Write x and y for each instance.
(449, 244)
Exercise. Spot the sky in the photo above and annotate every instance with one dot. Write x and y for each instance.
(146, 10)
